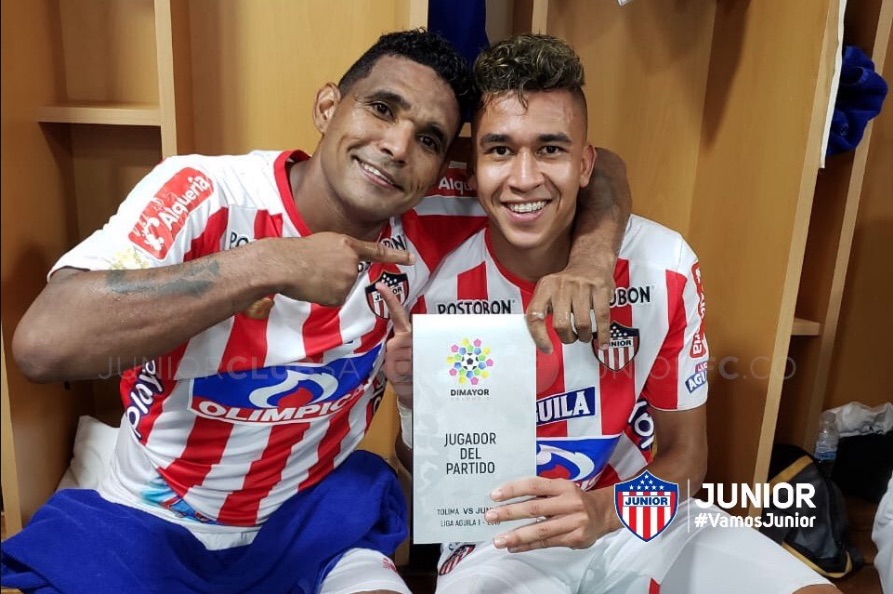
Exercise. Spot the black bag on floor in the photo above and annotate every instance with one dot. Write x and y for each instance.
(821, 542)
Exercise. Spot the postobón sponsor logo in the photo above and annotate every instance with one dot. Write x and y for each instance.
(646, 504)
(630, 296)
(166, 214)
(477, 306)
(469, 362)
(573, 459)
(283, 394)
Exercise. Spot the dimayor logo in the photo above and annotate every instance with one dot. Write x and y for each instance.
(469, 362)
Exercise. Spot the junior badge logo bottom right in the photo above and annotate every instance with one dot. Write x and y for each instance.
(646, 504)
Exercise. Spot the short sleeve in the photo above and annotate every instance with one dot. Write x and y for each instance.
(678, 379)
(156, 223)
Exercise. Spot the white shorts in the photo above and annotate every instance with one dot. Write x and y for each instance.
(360, 570)
(883, 538)
(682, 559)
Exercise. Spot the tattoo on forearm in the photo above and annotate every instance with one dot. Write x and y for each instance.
(196, 280)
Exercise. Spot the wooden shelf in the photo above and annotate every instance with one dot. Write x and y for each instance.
(109, 114)
(805, 328)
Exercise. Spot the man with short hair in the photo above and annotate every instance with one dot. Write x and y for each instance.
(531, 157)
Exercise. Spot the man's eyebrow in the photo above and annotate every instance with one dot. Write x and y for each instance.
(494, 139)
(389, 97)
(560, 138)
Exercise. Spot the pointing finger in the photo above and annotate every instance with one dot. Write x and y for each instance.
(368, 251)
(398, 314)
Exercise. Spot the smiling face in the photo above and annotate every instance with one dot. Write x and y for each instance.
(384, 141)
(530, 162)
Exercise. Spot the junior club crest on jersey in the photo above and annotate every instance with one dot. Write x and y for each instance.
(457, 555)
(397, 282)
(621, 349)
(646, 504)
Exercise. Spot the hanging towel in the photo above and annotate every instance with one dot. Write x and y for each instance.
(464, 24)
(859, 99)
(79, 542)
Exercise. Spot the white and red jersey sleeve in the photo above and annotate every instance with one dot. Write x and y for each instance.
(183, 209)
(678, 378)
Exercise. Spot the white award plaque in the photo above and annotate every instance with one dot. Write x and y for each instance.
(474, 421)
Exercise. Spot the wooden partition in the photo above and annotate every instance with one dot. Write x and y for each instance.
(768, 92)
(691, 95)
(38, 224)
(646, 99)
(257, 66)
(860, 362)
(832, 224)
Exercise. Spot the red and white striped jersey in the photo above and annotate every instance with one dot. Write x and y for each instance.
(593, 425)
(228, 425)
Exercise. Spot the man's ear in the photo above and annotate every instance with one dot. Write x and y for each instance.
(588, 163)
(327, 100)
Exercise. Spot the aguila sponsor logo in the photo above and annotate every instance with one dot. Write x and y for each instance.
(698, 378)
(166, 214)
(570, 405)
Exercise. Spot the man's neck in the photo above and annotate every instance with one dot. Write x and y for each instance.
(319, 207)
(531, 264)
